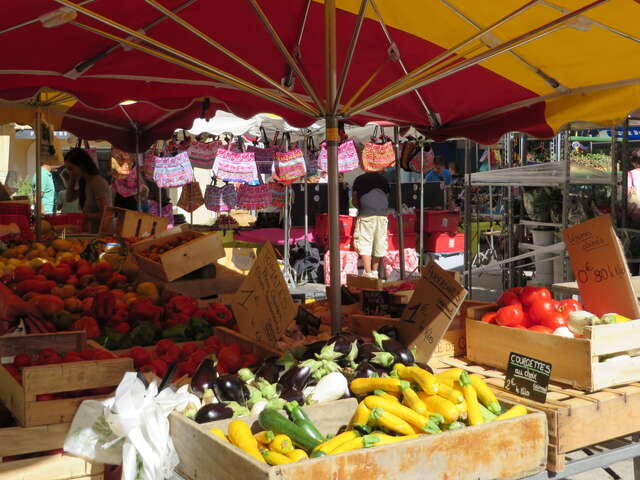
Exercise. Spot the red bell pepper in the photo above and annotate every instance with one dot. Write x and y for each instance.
(182, 304)
(89, 325)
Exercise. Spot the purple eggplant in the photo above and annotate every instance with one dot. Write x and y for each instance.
(292, 396)
(309, 351)
(365, 370)
(205, 377)
(390, 331)
(366, 352)
(269, 371)
(296, 378)
(212, 412)
(229, 388)
(342, 342)
(403, 354)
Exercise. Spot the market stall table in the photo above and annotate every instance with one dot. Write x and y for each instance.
(571, 288)
(576, 420)
(275, 236)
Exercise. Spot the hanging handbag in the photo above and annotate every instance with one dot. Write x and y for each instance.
(149, 163)
(378, 156)
(428, 160)
(347, 157)
(253, 197)
(277, 194)
(191, 197)
(173, 171)
(128, 186)
(220, 199)
(235, 166)
(289, 166)
(264, 156)
(201, 154)
(311, 158)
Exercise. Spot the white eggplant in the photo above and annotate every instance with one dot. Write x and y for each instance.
(330, 387)
(563, 332)
(581, 319)
(258, 407)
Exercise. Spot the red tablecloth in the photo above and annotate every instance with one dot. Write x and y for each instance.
(272, 235)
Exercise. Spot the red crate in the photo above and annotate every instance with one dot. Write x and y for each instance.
(346, 242)
(67, 220)
(444, 242)
(441, 220)
(22, 221)
(394, 241)
(15, 208)
(347, 225)
(409, 222)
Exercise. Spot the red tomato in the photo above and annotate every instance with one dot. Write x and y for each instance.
(526, 320)
(556, 305)
(530, 295)
(540, 309)
(541, 329)
(508, 298)
(516, 290)
(570, 305)
(489, 317)
(510, 316)
(555, 320)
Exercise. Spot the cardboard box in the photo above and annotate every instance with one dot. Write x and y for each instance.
(130, 223)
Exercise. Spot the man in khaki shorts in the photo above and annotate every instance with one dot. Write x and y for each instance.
(370, 195)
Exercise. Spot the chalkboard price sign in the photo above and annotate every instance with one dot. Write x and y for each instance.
(528, 377)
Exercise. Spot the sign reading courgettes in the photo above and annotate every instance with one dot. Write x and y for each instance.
(527, 377)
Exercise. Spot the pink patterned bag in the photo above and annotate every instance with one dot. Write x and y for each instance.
(347, 157)
(254, 197)
(127, 187)
(202, 155)
(235, 167)
(376, 157)
(220, 199)
(173, 171)
(289, 166)
(165, 212)
(149, 163)
(264, 158)
(277, 194)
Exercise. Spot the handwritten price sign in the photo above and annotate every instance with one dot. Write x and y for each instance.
(600, 268)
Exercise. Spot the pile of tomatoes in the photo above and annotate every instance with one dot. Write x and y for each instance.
(533, 308)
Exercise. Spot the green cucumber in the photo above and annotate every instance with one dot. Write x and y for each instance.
(300, 418)
(270, 419)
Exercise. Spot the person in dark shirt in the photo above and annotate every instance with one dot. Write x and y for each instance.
(370, 195)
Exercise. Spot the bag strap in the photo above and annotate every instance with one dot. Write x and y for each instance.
(263, 137)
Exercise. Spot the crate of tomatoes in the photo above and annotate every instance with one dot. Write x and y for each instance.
(587, 351)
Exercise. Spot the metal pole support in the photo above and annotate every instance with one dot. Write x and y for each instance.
(396, 139)
(467, 219)
(421, 210)
(38, 194)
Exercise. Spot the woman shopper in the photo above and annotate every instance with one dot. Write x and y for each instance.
(88, 186)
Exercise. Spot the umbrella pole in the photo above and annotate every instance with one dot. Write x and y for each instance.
(38, 194)
(138, 178)
(305, 151)
(333, 139)
(421, 212)
(396, 139)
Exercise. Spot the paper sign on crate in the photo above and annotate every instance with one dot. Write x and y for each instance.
(263, 306)
(432, 308)
(600, 268)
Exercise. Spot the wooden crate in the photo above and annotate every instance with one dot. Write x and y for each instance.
(518, 448)
(51, 467)
(575, 360)
(184, 259)
(453, 343)
(20, 399)
(575, 419)
(25, 440)
(129, 223)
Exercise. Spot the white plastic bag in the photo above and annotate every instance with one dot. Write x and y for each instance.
(130, 428)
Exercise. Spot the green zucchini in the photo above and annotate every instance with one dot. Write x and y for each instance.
(487, 415)
(270, 419)
(300, 418)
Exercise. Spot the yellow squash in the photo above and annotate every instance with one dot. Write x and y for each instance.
(240, 435)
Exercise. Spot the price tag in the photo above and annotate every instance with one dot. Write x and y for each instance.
(375, 302)
(528, 377)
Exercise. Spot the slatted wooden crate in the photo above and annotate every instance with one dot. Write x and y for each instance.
(576, 361)
(130, 224)
(576, 419)
(517, 448)
(247, 345)
(51, 467)
(20, 398)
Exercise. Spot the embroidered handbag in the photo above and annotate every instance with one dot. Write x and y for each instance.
(191, 197)
(289, 166)
(220, 199)
(429, 157)
(254, 197)
(128, 186)
(235, 167)
(376, 157)
(201, 154)
(347, 157)
(311, 158)
(165, 212)
(149, 163)
(173, 171)
(277, 194)
(264, 156)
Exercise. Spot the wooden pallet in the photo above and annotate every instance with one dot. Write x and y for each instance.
(51, 467)
(576, 419)
(20, 398)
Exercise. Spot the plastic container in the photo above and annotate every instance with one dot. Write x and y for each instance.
(22, 221)
(15, 208)
(74, 220)
(409, 223)
(347, 225)
(346, 242)
(444, 242)
(394, 241)
(441, 220)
